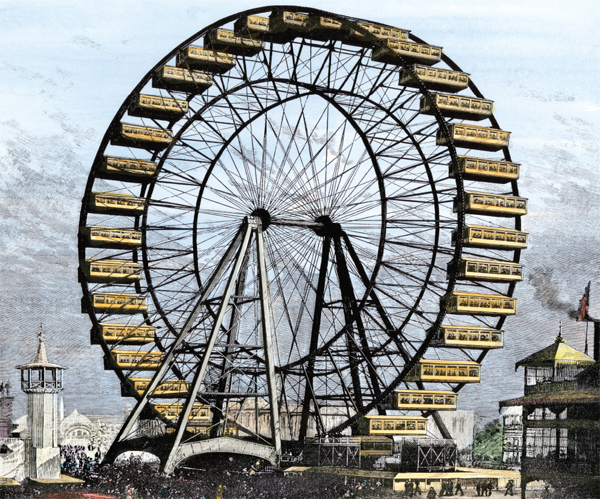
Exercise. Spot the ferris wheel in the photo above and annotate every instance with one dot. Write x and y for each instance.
(294, 215)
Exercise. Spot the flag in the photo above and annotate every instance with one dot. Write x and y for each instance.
(584, 303)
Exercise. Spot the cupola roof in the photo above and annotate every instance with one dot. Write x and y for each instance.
(41, 360)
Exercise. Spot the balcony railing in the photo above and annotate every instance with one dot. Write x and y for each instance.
(550, 387)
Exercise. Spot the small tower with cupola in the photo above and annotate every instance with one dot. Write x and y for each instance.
(41, 381)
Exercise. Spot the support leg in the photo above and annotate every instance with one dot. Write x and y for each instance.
(170, 357)
(267, 342)
(314, 340)
(201, 372)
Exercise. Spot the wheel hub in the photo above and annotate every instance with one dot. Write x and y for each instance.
(263, 216)
(327, 227)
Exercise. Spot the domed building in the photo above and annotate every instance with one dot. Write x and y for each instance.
(76, 429)
(89, 431)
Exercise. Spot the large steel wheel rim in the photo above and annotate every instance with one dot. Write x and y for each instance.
(402, 244)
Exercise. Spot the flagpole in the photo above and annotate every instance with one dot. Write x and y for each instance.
(582, 314)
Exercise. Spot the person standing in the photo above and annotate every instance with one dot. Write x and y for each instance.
(408, 488)
(417, 488)
(509, 488)
(164, 493)
(459, 488)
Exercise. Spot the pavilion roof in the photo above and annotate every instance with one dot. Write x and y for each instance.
(556, 354)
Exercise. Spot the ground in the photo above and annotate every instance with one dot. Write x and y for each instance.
(201, 478)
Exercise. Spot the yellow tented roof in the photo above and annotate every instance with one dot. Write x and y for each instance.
(556, 354)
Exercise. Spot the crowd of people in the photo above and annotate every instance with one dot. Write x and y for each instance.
(76, 459)
(216, 477)
(237, 477)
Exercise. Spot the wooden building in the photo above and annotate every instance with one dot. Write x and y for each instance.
(561, 417)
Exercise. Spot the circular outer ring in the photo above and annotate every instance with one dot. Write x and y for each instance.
(146, 189)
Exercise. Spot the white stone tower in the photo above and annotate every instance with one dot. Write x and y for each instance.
(41, 381)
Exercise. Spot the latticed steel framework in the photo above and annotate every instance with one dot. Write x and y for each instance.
(282, 218)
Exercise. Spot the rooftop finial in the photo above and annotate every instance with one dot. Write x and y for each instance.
(40, 357)
(559, 338)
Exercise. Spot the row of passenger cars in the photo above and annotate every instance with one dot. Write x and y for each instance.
(195, 71)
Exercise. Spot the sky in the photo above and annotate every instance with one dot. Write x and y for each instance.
(65, 71)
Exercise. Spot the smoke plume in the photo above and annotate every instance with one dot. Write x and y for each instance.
(546, 291)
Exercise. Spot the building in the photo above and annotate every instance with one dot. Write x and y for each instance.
(41, 381)
(30, 447)
(12, 450)
(94, 433)
(6, 402)
(461, 425)
(560, 416)
(512, 419)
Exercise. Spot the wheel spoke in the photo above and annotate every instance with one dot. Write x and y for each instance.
(318, 145)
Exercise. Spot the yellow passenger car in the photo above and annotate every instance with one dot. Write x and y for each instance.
(205, 60)
(284, 21)
(477, 269)
(474, 137)
(125, 334)
(495, 205)
(117, 303)
(127, 169)
(479, 236)
(434, 78)
(457, 106)
(136, 360)
(484, 170)
(227, 41)
(325, 29)
(101, 270)
(423, 400)
(285, 26)
(199, 429)
(375, 446)
(392, 425)
(365, 34)
(144, 137)
(472, 337)
(182, 80)
(411, 52)
(172, 388)
(445, 371)
(251, 26)
(157, 107)
(116, 203)
(202, 430)
(115, 238)
(458, 302)
(172, 411)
